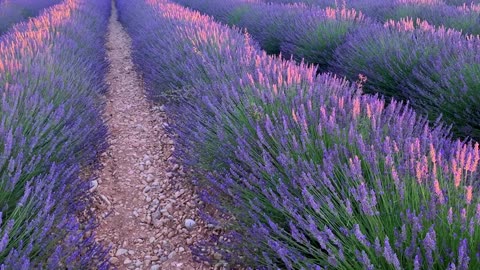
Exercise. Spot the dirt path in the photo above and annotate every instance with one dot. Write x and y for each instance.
(146, 207)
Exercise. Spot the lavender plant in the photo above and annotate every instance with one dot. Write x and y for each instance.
(51, 78)
(316, 174)
(315, 34)
(435, 13)
(297, 31)
(448, 84)
(14, 11)
(409, 63)
(267, 23)
(461, 2)
(385, 55)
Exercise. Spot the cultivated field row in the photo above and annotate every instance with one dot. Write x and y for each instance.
(196, 148)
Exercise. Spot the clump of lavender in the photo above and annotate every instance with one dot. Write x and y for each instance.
(385, 55)
(308, 33)
(438, 14)
(433, 68)
(51, 76)
(461, 2)
(14, 11)
(314, 36)
(268, 24)
(315, 174)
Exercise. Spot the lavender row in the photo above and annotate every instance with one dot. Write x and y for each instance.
(461, 2)
(462, 16)
(315, 174)
(14, 11)
(435, 69)
(51, 81)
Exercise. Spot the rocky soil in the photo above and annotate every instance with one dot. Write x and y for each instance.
(147, 208)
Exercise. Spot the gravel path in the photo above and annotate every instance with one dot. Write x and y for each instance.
(145, 206)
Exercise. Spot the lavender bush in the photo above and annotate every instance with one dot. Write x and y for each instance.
(315, 35)
(433, 68)
(436, 12)
(297, 31)
(267, 23)
(386, 55)
(14, 11)
(461, 2)
(51, 78)
(316, 174)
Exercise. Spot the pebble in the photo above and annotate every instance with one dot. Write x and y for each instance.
(127, 261)
(178, 193)
(105, 199)
(113, 260)
(93, 185)
(155, 267)
(172, 254)
(190, 223)
(176, 167)
(120, 252)
(217, 256)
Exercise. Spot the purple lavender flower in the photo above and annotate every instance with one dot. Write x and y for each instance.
(390, 255)
(360, 236)
(463, 258)
(430, 245)
(364, 260)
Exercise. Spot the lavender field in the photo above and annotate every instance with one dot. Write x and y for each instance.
(239, 134)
